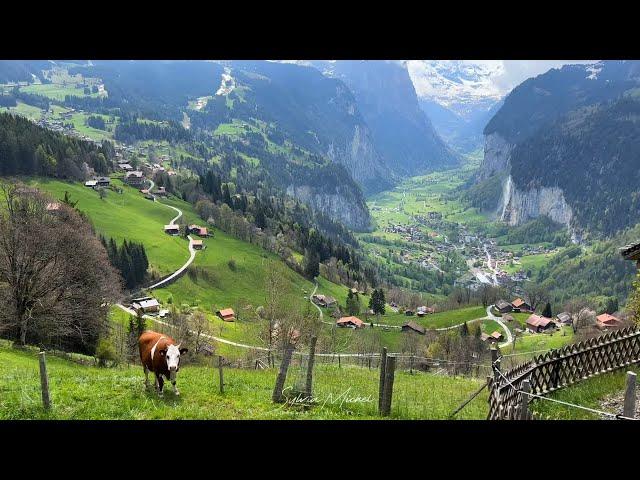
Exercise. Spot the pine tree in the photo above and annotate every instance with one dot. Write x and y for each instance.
(547, 311)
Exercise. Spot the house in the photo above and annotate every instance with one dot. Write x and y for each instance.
(520, 305)
(606, 321)
(485, 337)
(161, 191)
(227, 314)
(350, 322)
(125, 166)
(172, 229)
(103, 181)
(90, 183)
(198, 230)
(424, 310)
(145, 305)
(134, 178)
(323, 300)
(564, 318)
(503, 306)
(632, 252)
(197, 244)
(497, 336)
(538, 324)
(414, 327)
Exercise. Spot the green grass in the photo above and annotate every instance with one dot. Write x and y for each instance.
(88, 392)
(531, 342)
(126, 216)
(588, 393)
(56, 91)
(29, 111)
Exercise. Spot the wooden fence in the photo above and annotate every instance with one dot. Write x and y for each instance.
(560, 368)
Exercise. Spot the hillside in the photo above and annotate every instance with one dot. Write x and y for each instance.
(562, 142)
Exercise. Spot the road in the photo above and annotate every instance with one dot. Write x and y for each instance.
(499, 321)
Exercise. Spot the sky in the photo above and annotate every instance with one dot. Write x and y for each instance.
(448, 79)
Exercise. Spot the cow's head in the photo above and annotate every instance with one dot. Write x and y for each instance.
(172, 356)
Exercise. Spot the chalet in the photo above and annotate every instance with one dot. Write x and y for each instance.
(161, 191)
(503, 307)
(424, 310)
(90, 183)
(632, 252)
(564, 318)
(145, 305)
(414, 327)
(227, 314)
(324, 300)
(172, 229)
(197, 244)
(350, 322)
(538, 324)
(607, 321)
(497, 336)
(520, 305)
(134, 178)
(484, 337)
(198, 230)
(126, 167)
(103, 181)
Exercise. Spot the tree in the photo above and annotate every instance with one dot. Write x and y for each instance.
(377, 302)
(57, 276)
(353, 303)
(535, 294)
(547, 311)
(612, 305)
(311, 264)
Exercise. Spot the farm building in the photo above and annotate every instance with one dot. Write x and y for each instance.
(198, 230)
(197, 244)
(126, 167)
(503, 306)
(134, 178)
(145, 305)
(324, 300)
(414, 327)
(227, 314)
(520, 305)
(538, 324)
(606, 321)
(350, 322)
(161, 191)
(632, 252)
(564, 318)
(424, 310)
(90, 183)
(497, 336)
(103, 181)
(172, 229)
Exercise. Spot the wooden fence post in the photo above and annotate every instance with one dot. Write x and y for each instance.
(312, 353)
(524, 400)
(495, 362)
(388, 385)
(383, 365)
(411, 365)
(221, 373)
(630, 396)
(339, 364)
(282, 374)
(44, 381)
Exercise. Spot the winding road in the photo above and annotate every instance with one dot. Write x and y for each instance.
(499, 321)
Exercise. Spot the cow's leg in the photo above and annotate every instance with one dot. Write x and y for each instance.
(175, 388)
(146, 377)
(160, 384)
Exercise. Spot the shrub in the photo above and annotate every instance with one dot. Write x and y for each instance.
(232, 265)
(105, 352)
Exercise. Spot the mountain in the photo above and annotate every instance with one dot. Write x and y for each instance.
(459, 97)
(563, 141)
(401, 131)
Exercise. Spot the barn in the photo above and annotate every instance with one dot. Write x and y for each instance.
(227, 314)
(503, 306)
(538, 324)
(350, 322)
(414, 327)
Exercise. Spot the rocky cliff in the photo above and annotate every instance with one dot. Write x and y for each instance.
(497, 153)
(340, 205)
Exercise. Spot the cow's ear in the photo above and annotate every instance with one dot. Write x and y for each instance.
(183, 351)
(163, 352)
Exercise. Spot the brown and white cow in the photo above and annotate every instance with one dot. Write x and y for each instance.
(161, 355)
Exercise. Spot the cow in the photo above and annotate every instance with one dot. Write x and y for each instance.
(160, 355)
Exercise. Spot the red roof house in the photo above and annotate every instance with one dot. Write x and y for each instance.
(608, 321)
(353, 322)
(227, 314)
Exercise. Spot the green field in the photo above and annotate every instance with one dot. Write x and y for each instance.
(350, 392)
(56, 91)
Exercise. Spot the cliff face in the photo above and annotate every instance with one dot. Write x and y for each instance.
(340, 205)
(518, 206)
(497, 153)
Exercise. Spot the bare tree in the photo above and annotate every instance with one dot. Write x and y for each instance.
(57, 278)
(535, 294)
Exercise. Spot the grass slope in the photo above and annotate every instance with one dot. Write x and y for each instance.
(88, 392)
